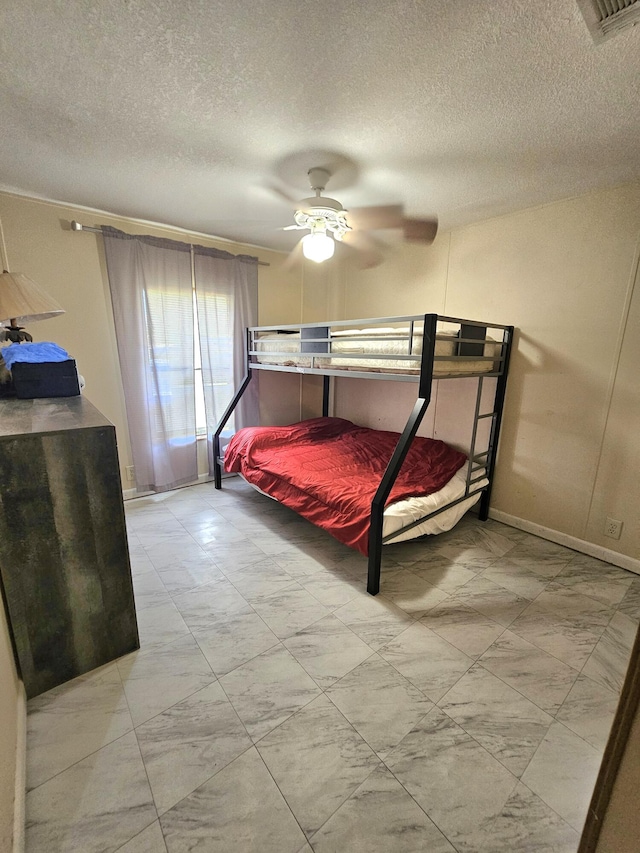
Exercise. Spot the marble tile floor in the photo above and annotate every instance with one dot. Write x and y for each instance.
(274, 706)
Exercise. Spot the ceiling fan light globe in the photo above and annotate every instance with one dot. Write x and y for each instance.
(318, 247)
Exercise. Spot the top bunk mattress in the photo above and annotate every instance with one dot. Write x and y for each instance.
(395, 350)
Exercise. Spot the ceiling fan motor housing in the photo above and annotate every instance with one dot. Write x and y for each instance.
(321, 213)
(322, 218)
(321, 203)
(318, 178)
(318, 204)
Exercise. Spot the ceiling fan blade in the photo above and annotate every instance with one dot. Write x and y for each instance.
(291, 200)
(293, 258)
(368, 250)
(420, 230)
(376, 218)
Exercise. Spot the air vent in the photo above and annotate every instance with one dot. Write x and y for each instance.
(606, 18)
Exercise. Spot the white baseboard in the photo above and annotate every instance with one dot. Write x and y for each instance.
(572, 542)
(20, 787)
(130, 494)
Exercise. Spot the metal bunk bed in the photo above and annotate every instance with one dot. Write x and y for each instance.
(311, 349)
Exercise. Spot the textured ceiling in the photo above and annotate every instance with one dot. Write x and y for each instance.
(181, 111)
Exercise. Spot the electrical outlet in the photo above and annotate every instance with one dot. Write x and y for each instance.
(131, 473)
(612, 528)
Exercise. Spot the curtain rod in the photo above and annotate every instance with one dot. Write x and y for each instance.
(77, 226)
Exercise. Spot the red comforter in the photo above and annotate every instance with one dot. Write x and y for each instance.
(328, 470)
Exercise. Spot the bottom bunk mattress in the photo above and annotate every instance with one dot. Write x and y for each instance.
(328, 471)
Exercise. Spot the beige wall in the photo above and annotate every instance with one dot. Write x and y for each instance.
(617, 483)
(564, 275)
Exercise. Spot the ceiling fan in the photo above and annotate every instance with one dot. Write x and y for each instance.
(328, 222)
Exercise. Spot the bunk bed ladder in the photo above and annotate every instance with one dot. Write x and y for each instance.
(477, 461)
(498, 407)
(399, 454)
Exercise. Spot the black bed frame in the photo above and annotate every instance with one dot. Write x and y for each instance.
(315, 339)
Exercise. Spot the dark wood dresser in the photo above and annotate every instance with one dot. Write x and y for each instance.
(64, 560)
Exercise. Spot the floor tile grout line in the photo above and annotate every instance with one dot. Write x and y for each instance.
(80, 760)
(571, 732)
(371, 747)
(540, 648)
(519, 775)
(144, 829)
(201, 784)
(286, 719)
(233, 707)
(146, 773)
(550, 807)
(278, 642)
(337, 680)
(184, 698)
(540, 796)
(255, 746)
(93, 751)
(391, 663)
(518, 690)
(441, 829)
(346, 800)
(355, 732)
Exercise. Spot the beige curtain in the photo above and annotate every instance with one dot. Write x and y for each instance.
(152, 297)
(151, 282)
(227, 302)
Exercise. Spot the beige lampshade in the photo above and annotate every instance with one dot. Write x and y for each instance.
(22, 299)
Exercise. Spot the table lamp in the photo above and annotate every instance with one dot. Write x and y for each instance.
(22, 300)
